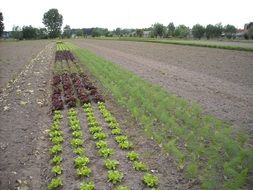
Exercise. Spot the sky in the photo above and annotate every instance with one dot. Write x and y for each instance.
(128, 13)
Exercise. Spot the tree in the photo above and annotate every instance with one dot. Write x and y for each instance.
(250, 32)
(29, 32)
(67, 31)
(1, 24)
(118, 31)
(171, 29)
(182, 31)
(214, 31)
(42, 33)
(139, 32)
(17, 33)
(158, 30)
(53, 21)
(198, 31)
(229, 30)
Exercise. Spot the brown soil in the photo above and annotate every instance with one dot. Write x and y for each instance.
(220, 80)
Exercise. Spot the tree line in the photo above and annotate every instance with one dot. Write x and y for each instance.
(53, 20)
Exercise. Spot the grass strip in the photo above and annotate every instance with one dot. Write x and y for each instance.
(204, 147)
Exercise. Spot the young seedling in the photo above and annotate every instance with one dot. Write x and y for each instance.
(81, 161)
(76, 142)
(93, 123)
(87, 186)
(57, 169)
(111, 164)
(55, 133)
(113, 125)
(105, 152)
(125, 145)
(140, 166)
(83, 171)
(55, 127)
(55, 183)
(115, 176)
(57, 140)
(122, 188)
(56, 149)
(95, 130)
(116, 131)
(79, 151)
(132, 156)
(77, 134)
(99, 136)
(150, 180)
(120, 139)
(101, 144)
(75, 127)
(57, 117)
(56, 160)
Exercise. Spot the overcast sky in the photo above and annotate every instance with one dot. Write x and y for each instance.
(128, 13)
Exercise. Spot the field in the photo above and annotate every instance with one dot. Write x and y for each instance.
(93, 114)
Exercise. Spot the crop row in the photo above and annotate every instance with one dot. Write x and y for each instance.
(123, 143)
(64, 55)
(56, 137)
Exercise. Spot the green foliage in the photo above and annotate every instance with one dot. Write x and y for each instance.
(111, 164)
(139, 32)
(171, 29)
(101, 144)
(56, 160)
(67, 31)
(158, 30)
(1, 23)
(230, 31)
(250, 32)
(57, 139)
(76, 142)
(79, 151)
(83, 171)
(56, 149)
(17, 33)
(116, 131)
(140, 166)
(122, 188)
(54, 132)
(57, 169)
(115, 176)
(132, 156)
(77, 134)
(99, 136)
(53, 21)
(121, 139)
(87, 186)
(182, 31)
(55, 183)
(125, 145)
(150, 180)
(198, 31)
(214, 31)
(29, 32)
(192, 170)
(81, 161)
(95, 130)
(105, 152)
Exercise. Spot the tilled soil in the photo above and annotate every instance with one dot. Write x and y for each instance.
(14, 55)
(220, 80)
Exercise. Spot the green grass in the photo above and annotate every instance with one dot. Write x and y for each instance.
(203, 146)
(208, 44)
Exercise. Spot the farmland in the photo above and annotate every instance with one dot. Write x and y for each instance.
(74, 120)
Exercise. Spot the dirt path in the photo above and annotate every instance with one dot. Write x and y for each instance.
(24, 118)
(220, 80)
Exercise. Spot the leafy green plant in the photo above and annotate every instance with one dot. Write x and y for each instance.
(56, 149)
(115, 176)
(55, 183)
(77, 134)
(116, 131)
(76, 142)
(125, 145)
(87, 186)
(55, 127)
(99, 136)
(105, 152)
(83, 171)
(57, 169)
(57, 139)
(56, 160)
(120, 139)
(57, 117)
(79, 151)
(132, 156)
(55, 133)
(75, 127)
(95, 130)
(150, 180)
(113, 125)
(81, 161)
(140, 166)
(101, 144)
(111, 164)
(93, 123)
(122, 188)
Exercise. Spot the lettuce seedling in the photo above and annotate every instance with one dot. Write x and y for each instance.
(111, 164)
(57, 169)
(55, 133)
(77, 134)
(125, 145)
(81, 161)
(75, 127)
(150, 180)
(140, 166)
(120, 139)
(79, 151)
(56, 160)
(122, 188)
(101, 144)
(132, 156)
(113, 125)
(57, 140)
(76, 142)
(56, 149)
(83, 171)
(99, 136)
(116, 131)
(87, 186)
(105, 152)
(115, 176)
(55, 183)
(95, 130)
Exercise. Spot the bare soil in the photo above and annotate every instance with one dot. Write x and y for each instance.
(220, 80)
